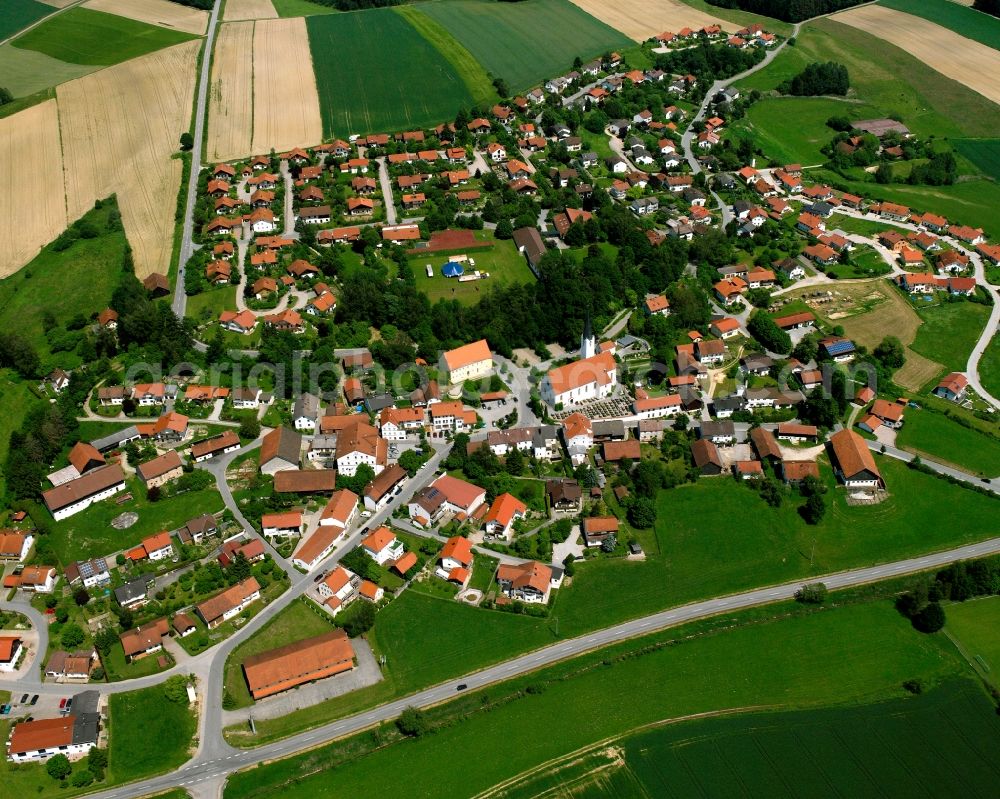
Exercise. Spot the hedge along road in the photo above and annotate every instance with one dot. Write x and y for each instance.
(204, 769)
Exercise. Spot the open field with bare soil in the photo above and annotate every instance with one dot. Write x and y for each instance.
(640, 19)
(230, 110)
(119, 132)
(938, 47)
(32, 201)
(156, 12)
(285, 103)
(249, 9)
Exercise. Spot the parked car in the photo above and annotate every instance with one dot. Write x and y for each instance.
(62, 705)
(24, 698)
(34, 700)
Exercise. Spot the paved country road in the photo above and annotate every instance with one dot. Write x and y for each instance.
(212, 766)
(179, 304)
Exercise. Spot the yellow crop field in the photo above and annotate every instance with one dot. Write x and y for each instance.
(32, 202)
(155, 12)
(248, 9)
(641, 19)
(970, 63)
(285, 102)
(120, 129)
(230, 110)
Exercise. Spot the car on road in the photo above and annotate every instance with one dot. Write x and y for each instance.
(34, 700)
(461, 686)
(319, 577)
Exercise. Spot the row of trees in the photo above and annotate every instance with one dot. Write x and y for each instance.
(787, 10)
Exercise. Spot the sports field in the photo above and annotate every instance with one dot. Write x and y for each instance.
(984, 153)
(872, 750)
(955, 16)
(397, 78)
(19, 14)
(527, 42)
(925, 432)
(504, 264)
(82, 36)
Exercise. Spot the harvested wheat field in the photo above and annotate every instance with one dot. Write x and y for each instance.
(970, 63)
(119, 130)
(32, 200)
(155, 12)
(248, 9)
(285, 101)
(230, 97)
(641, 19)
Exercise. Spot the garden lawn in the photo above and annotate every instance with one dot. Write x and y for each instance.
(974, 624)
(209, 304)
(19, 14)
(95, 265)
(397, 79)
(847, 655)
(295, 623)
(527, 42)
(717, 537)
(117, 668)
(504, 264)
(954, 16)
(82, 36)
(149, 734)
(89, 533)
(949, 332)
(942, 439)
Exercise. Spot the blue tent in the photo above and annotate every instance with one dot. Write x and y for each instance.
(452, 269)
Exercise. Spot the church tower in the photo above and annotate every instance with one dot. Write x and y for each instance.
(588, 341)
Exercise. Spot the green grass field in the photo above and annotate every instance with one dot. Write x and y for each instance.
(964, 21)
(926, 101)
(95, 264)
(872, 750)
(300, 8)
(852, 654)
(476, 79)
(149, 734)
(989, 367)
(504, 263)
(89, 533)
(26, 72)
(397, 80)
(209, 304)
(974, 625)
(984, 153)
(712, 538)
(716, 537)
(15, 398)
(294, 623)
(526, 42)
(19, 14)
(82, 36)
(949, 332)
(940, 438)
